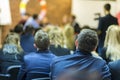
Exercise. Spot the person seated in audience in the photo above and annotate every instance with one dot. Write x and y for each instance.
(69, 38)
(56, 42)
(11, 52)
(74, 24)
(27, 40)
(82, 60)
(115, 69)
(111, 50)
(37, 62)
(18, 29)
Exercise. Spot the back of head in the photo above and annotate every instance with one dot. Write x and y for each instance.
(112, 42)
(56, 36)
(112, 35)
(35, 16)
(87, 40)
(14, 40)
(18, 28)
(107, 7)
(73, 17)
(29, 29)
(42, 40)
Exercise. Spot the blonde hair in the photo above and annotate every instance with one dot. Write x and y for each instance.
(56, 36)
(69, 36)
(14, 39)
(112, 42)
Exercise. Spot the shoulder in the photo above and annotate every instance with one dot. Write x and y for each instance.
(52, 55)
(62, 58)
(29, 55)
(114, 64)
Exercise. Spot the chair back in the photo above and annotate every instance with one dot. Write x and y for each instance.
(46, 78)
(13, 71)
(4, 76)
(31, 76)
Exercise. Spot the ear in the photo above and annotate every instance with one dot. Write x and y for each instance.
(95, 49)
(76, 44)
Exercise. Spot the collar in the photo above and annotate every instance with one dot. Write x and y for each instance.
(108, 14)
(80, 52)
(44, 51)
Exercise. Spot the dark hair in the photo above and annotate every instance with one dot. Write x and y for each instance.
(35, 16)
(87, 40)
(18, 28)
(73, 16)
(29, 29)
(107, 7)
(42, 40)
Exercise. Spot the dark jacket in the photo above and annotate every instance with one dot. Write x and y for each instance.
(37, 62)
(80, 61)
(76, 27)
(27, 43)
(8, 59)
(103, 25)
(115, 69)
(103, 55)
(59, 51)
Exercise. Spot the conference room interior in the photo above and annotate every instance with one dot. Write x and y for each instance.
(24, 24)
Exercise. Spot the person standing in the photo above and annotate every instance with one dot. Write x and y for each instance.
(74, 24)
(103, 25)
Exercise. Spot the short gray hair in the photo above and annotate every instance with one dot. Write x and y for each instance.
(42, 40)
(87, 40)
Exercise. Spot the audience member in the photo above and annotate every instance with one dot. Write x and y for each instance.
(11, 52)
(34, 21)
(69, 38)
(115, 69)
(18, 29)
(103, 25)
(27, 40)
(56, 42)
(82, 60)
(65, 21)
(37, 62)
(111, 50)
(74, 24)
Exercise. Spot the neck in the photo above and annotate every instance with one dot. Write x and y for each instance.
(107, 12)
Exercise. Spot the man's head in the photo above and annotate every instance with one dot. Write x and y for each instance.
(107, 7)
(87, 40)
(29, 29)
(41, 40)
(35, 16)
(72, 18)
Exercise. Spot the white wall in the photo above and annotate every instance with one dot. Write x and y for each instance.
(85, 9)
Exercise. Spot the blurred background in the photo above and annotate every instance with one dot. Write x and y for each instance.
(87, 12)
